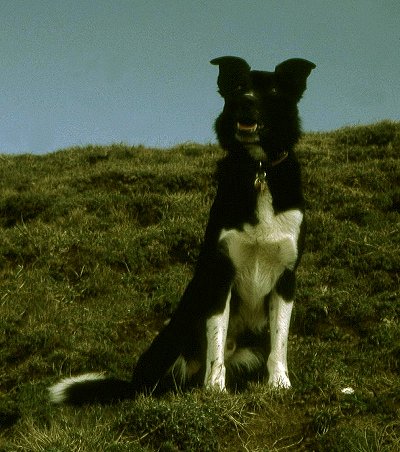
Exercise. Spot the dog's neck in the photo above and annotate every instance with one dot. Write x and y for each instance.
(258, 154)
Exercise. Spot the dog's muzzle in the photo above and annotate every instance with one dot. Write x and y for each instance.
(247, 124)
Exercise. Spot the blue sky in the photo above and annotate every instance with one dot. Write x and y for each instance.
(75, 72)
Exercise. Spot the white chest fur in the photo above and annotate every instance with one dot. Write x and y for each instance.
(262, 252)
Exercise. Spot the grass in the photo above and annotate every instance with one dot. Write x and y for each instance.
(97, 245)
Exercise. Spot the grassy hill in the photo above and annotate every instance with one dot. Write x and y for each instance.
(96, 247)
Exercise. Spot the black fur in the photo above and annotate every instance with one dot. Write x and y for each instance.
(272, 105)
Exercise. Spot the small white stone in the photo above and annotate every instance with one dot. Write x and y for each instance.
(348, 391)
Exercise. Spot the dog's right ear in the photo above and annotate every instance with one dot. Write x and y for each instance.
(234, 73)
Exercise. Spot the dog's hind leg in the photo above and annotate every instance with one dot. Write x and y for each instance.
(280, 312)
(163, 352)
(205, 300)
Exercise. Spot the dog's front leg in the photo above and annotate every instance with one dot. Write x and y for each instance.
(280, 312)
(216, 331)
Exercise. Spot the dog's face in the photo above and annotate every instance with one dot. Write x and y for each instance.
(260, 107)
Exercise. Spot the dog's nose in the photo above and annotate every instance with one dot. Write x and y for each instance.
(247, 108)
(248, 98)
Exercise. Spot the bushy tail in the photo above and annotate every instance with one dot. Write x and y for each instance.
(152, 366)
(91, 388)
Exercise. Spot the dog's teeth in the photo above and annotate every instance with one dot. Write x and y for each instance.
(247, 128)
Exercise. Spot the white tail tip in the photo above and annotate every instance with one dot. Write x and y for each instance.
(58, 392)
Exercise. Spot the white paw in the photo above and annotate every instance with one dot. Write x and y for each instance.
(278, 376)
(279, 381)
(215, 378)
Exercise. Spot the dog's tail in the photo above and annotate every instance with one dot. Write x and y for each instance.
(151, 368)
(91, 388)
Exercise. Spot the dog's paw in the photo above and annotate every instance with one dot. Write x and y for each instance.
(278, 376)
(279, 381)
(215, 378)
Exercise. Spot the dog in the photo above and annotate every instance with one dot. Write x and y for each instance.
(245, 274)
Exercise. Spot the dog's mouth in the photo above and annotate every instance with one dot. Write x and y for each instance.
(246, 128)
(248, 132)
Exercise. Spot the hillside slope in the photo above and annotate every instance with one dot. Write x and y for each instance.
(96, 247)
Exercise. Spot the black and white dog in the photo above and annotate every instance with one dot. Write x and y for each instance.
(245, 274)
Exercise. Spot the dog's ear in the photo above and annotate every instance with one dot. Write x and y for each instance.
(234, 73)
(291, 76)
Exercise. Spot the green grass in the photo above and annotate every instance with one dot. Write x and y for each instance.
(97, 245)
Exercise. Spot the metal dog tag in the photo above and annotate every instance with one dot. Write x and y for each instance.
(261, 181)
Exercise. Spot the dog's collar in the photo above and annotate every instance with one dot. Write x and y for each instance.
(260, 182)
(282, 157)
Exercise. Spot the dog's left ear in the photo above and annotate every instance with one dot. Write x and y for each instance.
(291, 76)
(234, 73)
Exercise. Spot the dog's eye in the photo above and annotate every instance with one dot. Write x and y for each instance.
(233, 92)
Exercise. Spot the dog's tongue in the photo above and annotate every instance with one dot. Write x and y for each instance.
(248, 128)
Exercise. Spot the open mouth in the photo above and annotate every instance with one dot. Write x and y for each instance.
(247, 132)
(246, 128)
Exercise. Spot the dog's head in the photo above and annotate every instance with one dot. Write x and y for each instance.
(260, 107)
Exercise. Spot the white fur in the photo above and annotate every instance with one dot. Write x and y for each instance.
(216, 331)
(245, 358)
(260, 255)
(280, 312)
(183, 370)
(58, 392)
